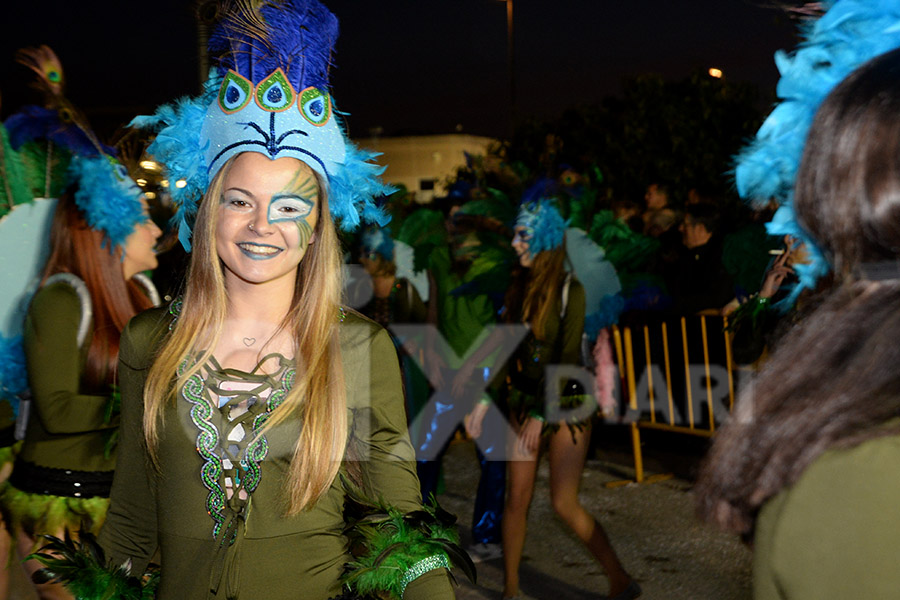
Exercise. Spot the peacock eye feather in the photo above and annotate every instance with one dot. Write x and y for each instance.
(315, 106)
(274, 93)
(234, 94)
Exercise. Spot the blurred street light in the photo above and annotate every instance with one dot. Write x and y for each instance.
(716, 73)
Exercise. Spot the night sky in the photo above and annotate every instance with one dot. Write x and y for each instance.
(409, 66)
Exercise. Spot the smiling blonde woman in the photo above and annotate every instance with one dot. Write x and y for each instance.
(264, 449)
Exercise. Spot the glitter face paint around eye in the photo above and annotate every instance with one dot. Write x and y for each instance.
(302, 201)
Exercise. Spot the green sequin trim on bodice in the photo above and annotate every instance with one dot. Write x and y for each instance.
(229, 409)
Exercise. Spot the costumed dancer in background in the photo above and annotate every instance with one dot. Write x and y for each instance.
(14, 192)
(552, 304)
(468, 271)
(100, 239)
(395, 299)
(801, 466)
(258, 415)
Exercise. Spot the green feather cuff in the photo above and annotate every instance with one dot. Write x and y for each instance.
(391, 548)
(81, 567)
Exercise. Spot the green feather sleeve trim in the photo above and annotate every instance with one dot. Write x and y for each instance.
(82, 568)
(392, 548)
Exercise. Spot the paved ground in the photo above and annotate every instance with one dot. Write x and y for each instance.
(652, 527)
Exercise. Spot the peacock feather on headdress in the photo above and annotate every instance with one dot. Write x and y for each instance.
(44, 149)
(269, 94)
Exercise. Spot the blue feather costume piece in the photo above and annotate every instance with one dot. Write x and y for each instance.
(294, 31)
(269, 95)
(108, 197)
(543, 223)
(850, 33)
(37, 123)
(377, 240)
(178, 146)
(13, 381)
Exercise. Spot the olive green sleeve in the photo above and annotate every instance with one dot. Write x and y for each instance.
(130, 528)
(388, 459)
(835, 534)
(379, 427)
(572, 326)
(55, 364)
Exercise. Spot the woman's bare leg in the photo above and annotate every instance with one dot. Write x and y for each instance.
(566, 466)
(45, 591)
(520, 488)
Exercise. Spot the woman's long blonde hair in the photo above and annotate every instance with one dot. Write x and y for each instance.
(318, 398)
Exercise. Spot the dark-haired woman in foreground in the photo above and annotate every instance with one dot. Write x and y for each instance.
(807, 465)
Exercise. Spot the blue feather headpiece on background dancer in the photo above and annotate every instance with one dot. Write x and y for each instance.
(544, 226)
(269, 94)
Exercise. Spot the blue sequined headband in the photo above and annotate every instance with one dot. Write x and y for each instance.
(269, 94)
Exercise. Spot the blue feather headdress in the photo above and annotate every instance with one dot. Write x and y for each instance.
(377, 240)
(543, 224)
(105, 193)
(849, 34)
(269, 94)
(108, 197)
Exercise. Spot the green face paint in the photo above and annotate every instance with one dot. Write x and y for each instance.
(297, 203)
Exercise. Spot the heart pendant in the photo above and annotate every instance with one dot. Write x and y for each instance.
(249, 341)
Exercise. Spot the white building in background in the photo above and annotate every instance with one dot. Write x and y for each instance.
(424, 162)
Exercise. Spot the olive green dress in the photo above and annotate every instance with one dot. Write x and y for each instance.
(560, 345)
(63, 473)
(835, 534)
(211, 546)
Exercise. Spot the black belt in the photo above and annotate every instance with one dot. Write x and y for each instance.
(29, 477)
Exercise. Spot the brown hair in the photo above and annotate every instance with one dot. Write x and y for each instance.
(534, 291)
(77, 249)
(833, 382)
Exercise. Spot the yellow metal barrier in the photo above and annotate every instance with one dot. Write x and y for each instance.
(696, 336)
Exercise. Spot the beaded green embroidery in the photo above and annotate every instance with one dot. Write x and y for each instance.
(196, 391)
